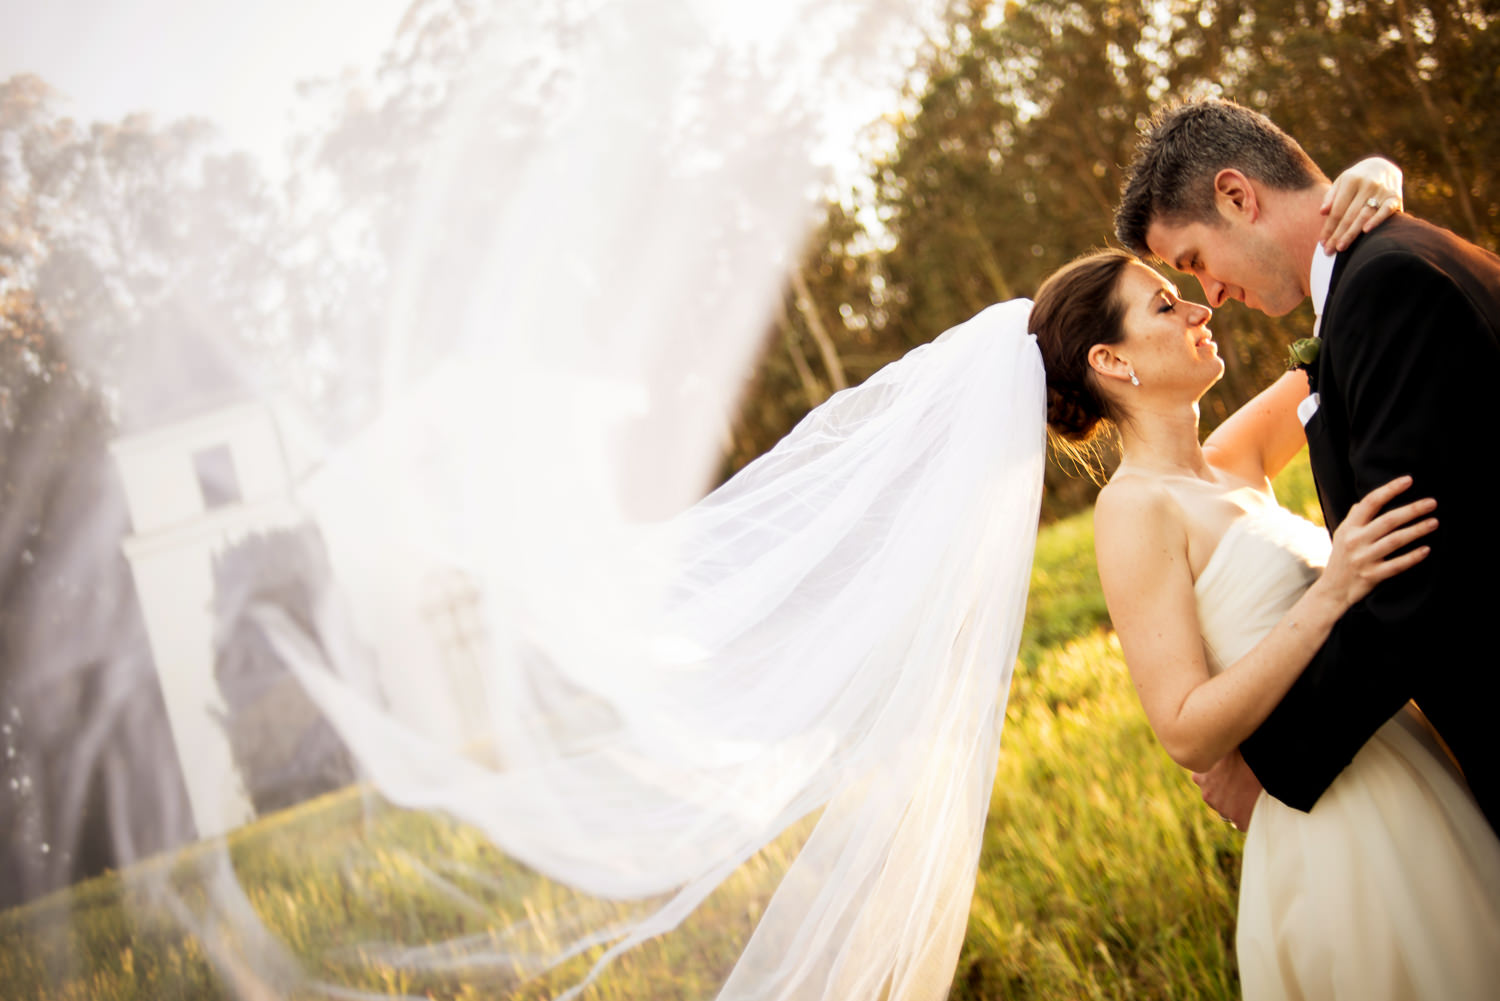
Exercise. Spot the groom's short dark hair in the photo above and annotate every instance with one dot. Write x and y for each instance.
(1184, 147)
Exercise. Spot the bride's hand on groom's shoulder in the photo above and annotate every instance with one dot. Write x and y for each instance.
(1362, 197)
(1369, 547)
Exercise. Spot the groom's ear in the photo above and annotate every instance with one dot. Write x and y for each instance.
(1234, 196)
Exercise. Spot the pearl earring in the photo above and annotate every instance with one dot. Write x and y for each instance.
(1133, 380)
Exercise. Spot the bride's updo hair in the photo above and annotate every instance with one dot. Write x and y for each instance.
(1076, 308)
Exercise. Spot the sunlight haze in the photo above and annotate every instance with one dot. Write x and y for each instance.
(234, 63)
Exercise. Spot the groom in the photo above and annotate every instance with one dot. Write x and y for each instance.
(1407, 381)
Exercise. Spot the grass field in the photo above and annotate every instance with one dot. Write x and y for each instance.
(1102, 875)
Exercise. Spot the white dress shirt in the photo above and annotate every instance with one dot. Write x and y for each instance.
(1320, 279)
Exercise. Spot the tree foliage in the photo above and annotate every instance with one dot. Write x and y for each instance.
(151, 252)
(1007, 159)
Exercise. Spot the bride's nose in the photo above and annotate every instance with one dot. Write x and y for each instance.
(1201, 315)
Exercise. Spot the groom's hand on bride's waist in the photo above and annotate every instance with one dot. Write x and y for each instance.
(1231, 788)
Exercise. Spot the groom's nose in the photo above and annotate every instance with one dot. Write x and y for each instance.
(1216, 292)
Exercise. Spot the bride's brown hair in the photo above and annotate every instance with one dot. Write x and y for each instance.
(1076, 308)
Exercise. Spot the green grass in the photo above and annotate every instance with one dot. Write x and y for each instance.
(341, 869)
(1102, 874)
(1295, 490)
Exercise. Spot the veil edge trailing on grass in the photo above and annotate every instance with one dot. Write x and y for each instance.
(831, 632)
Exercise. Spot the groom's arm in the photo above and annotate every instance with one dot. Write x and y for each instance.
(1412, 362)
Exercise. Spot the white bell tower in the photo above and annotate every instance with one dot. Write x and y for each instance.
(194, 487)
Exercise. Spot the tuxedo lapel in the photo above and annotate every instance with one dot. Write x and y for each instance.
(1326, 458)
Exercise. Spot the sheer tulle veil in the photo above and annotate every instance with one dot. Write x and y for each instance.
(815, 655)
(780, 702)
(822, 644)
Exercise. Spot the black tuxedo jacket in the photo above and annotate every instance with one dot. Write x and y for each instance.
(1408, 380)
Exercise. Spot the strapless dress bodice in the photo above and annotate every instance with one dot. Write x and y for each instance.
(1263, 563)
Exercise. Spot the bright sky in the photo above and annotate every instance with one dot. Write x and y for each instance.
(233, 61)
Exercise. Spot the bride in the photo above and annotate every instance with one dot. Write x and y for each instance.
(1390, 887)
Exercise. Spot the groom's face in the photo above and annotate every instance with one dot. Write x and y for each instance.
(1232, 260)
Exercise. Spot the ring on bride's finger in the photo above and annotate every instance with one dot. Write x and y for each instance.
(1372, 202)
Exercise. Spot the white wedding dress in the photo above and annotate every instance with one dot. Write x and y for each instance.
(1390, 887)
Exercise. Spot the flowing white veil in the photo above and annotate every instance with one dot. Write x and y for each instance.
(654, 686)
(829, 634)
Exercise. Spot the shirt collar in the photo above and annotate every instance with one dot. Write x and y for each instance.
(1322, 277)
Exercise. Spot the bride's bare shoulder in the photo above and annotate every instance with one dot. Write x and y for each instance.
(1139, 536)
(1134, 494)
(1136, 506)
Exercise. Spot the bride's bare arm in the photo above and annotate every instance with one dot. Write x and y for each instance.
(1260, 438)
(1200, 717)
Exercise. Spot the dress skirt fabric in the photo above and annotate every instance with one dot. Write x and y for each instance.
(1390, 887)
